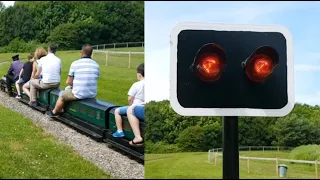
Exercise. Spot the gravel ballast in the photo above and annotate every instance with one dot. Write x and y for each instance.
(109, 160)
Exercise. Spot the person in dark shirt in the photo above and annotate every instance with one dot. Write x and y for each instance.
(13, 73)
(25, 74)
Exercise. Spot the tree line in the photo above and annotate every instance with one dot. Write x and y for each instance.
(70, 24)
(166, 131)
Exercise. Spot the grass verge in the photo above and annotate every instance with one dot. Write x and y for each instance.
(195, 165)
(27, 152)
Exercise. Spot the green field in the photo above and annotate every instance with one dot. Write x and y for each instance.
(28, 152)
(195, 165)
(114, 81)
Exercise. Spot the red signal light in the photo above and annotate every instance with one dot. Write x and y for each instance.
(209, 62)
(260, 65)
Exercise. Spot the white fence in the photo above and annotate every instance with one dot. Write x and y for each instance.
(120, 57)
(214, 154)
(118, 45)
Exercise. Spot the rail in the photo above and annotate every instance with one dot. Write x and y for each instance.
(217, 152)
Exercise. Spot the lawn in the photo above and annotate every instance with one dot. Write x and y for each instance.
(114, 81)
(28, 152)
(195, 165)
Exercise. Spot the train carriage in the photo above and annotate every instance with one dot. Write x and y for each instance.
(92, 117)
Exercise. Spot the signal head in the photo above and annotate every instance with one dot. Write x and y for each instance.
(209, 62)
(259, 66)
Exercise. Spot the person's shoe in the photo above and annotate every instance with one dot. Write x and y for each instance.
(34, 104)
(118, 134)
(18, 96)
(50, 114)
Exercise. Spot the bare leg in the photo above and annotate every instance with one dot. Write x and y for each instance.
(18, 87)
(118, 119)
(25, 88)
(59, 106)
(134, 123)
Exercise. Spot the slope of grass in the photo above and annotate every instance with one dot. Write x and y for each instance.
(27, 152)
(307, 152)
(114, 81)
(195, 165)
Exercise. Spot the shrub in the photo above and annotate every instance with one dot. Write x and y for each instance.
(18, 45)
(306, 152)
(160, 148)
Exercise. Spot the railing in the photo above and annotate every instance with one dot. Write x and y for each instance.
(118, 45)
(213, 155)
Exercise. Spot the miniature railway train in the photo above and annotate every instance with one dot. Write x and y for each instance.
(92, 117)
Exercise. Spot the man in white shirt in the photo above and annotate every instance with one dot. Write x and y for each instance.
(83, 77)
(135, 98)
(50, 68)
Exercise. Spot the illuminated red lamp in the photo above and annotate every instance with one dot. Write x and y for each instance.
(209, 62)
(260, 65)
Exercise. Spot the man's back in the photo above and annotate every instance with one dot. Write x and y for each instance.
(51, 68)
(85, 72)
(137, 91)
(16, 67)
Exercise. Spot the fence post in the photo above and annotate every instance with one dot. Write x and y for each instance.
(104, 46)
(277, 166)
(127, 44)
(248, 164)
(114, 45)
(278, 148)
(107, 58)
(262, 148)
(249, 148)
(215, 158)
(316, 166)
(129, 60)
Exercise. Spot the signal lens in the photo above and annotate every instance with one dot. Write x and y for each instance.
(263, 66)
(259, 66)
(209, 62)
(210, 66)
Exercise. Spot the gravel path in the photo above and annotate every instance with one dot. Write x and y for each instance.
(111, 161)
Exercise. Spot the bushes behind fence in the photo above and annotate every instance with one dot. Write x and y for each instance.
(300, 127)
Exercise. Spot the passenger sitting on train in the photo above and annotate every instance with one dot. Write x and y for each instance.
(135, 97)
(82, 80)
(38, 54)
(134, 113)
(13, 73)
(50, 68)
(25, 74)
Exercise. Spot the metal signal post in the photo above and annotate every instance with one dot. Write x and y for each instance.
(230, 148)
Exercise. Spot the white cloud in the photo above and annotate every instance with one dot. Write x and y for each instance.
(311, 98)
(157, 75)
(306, 67)
(8, 3)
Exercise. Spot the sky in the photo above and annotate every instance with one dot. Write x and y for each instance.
(8, 3)
(299, 17)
